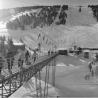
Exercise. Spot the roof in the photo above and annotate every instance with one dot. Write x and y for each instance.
(86, 51)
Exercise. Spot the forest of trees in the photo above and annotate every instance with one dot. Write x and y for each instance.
(95, 11)
(45, 16)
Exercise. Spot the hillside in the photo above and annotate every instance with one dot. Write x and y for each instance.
(55, 26)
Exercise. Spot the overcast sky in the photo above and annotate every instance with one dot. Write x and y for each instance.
(21, 3)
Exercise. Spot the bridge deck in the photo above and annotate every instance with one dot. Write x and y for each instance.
(11, 83)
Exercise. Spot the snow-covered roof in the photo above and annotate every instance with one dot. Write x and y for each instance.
(18, 44)
(86, 50)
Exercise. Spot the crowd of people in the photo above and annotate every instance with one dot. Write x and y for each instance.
(24, 58)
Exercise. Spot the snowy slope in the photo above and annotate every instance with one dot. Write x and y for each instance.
(84, 18)
(81, 27)
(63, 36)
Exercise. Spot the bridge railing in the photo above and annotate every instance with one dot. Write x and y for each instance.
(8, 85)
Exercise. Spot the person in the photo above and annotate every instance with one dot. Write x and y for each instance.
(12, 61)
(27, 55)
(22, 56)
(20, 63)
(90, 66)
(48, 52)
(93, 68)
(91, 72)
(9, 61)
(34, 56)
(9, 65)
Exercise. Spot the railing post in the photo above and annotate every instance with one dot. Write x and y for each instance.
(10, 86)
(48, 77)
(20, 78)
(53, 71)
(15, 85)
(36, 85)
(2, 89)
(40, 88)
(45, 89)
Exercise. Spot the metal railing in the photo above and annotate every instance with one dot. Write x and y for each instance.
(8, 85)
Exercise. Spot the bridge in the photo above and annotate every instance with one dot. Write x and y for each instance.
(11, 83)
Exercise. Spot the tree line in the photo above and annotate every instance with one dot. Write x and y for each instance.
(95, 11)
(45, 16)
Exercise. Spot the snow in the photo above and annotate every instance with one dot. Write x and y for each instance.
(70, 81)
(28, 90)
(80, 28)
(63, 36)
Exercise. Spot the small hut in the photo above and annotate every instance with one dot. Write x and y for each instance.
(86, 54)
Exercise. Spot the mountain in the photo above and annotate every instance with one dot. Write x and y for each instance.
(53, 26)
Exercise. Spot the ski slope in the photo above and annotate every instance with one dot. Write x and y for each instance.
(81, 28)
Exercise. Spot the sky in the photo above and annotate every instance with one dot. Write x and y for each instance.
(20, 3)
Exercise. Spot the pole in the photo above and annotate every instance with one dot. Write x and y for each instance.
(40, 85)
(45, 83)
(53, 72)
(48, 78)
(36, 85)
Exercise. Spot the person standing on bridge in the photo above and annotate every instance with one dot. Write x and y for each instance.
(10, 61)
(34, 56)
(9, 65)
(21, 60)
(27, 55)
(20, 63)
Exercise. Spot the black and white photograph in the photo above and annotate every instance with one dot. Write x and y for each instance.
(48, 48)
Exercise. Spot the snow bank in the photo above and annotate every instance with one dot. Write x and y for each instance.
(28, 90)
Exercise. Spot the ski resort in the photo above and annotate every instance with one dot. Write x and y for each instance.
(48, 48)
